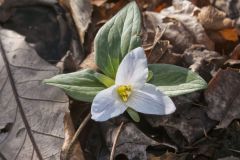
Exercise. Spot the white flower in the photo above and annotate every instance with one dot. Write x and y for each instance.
(131, 90)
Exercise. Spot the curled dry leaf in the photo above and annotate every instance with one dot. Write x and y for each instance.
(229, 34)
(81, 12)
(213, 19)
(223, 97)
(67, 64)
(131, 142)
(183, 28)
(236, 53)
(32, 111)
(201, 60)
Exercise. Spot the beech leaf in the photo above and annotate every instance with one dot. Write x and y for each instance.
(31, 113)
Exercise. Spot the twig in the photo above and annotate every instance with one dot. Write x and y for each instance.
(115, 141)
(234, 150)
(75, 137)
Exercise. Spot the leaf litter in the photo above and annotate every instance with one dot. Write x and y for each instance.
(197, 36)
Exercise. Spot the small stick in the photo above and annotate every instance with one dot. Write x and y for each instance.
(75, 137)
(115, 141)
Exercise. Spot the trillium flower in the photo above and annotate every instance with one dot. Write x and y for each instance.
(131, 90)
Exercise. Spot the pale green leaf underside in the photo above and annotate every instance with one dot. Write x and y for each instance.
(174, 80)
(81, 85)
(116, 38)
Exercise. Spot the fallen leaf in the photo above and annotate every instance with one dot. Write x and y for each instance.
(201, 3)
(183, 28)
(98, 2)
(203, 61)
(67, 64)
(189, 119)
(233, 7)
(89, 62)
(81, 11)
(229, 34)
(131, 142)
(42, 31)
(223, 97)
(236, 53)
(213, 19)
(160, 7)
(232, 63)
(35, 127)
(69, 130)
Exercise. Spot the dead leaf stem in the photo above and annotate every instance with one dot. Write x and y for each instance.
(75, 137)
(115, 141)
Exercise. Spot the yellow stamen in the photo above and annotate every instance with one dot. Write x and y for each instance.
(124, 92)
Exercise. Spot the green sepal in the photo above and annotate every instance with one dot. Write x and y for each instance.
(133, 114)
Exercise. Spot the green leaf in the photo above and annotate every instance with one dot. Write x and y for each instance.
(81, 85)
(150, 75)
(174, 80)
(133, 114)
(116, 38)
(108, 82)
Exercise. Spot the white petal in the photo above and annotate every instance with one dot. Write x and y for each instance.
(107, 105)
(150, 100)
(133, 69)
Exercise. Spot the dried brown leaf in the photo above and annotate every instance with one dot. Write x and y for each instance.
(131, 142)
(189, 119)
(236, 53)
(98, 2)
(201, 60)
(69, 130)
(81, 12)
(33, 111)
(183, 28)
(213, 19)
(67, 64)
(223, 97)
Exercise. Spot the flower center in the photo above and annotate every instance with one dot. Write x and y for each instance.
(124, 92)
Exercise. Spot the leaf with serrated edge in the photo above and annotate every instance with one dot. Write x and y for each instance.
(174, 80)
(81, 85)
(116, 38)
